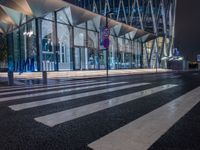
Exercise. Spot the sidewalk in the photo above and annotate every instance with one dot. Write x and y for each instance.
(83, 74)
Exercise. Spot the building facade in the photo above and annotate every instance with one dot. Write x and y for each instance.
(155, 16)
(59, 36)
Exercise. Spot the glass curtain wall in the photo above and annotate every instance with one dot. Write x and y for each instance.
(93, 52)
(28, 47)
(10, 52)
(54, 44)
(128, 54)
(137, 55)
(47, 43)
(24, 48)
(16, 51)
(121, 61)
(64, 35)
(64, 47)
(113, 53)
(80, 51)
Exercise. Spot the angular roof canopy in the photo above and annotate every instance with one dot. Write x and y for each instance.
(18, 5)
(4, 17)
(41, 7)
(13, 12)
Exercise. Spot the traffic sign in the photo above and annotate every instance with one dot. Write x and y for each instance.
(106, 43)
(106, 33)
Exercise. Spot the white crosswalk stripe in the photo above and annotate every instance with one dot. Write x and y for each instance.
(8, 89)
(54, 119)
(73, 96)
(59, 91)
(143, 132)
(51, 88)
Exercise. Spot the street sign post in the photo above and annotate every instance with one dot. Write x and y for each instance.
(106, 43)
(106, 34)
(105, 37)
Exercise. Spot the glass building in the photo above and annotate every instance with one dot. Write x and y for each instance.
(154, 16)
(57, 36)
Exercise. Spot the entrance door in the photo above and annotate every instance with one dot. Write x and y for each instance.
(102, 59)
(81, 58)
(89, 59)
(77, 59)
(92, 59)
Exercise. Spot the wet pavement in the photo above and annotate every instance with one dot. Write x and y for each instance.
(96, 113)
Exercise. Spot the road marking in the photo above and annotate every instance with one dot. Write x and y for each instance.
(50, 88)
(54, 119)
(7, 89)
(23, 106)
(143, 132)
(174, 77)
(57, 92)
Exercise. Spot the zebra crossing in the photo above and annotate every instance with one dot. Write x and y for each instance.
(90, 86)
(146, 130)
(64, 116)
(73, 96)
(140, 133)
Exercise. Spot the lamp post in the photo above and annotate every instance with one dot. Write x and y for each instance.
(157, 61)
(107, 49)
(156, 56)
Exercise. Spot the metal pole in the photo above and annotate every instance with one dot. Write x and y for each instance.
(107, 53)
(10, 78)
(44, 77)
(156, 62)
(156, 58)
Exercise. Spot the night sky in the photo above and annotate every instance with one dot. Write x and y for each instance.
(188, 28)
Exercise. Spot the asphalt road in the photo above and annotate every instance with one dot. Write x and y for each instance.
(74, 115)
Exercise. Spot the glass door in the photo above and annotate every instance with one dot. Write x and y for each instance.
(89, 59)
(92, 59)
(77, 59)
(81, 58)
(102, 59)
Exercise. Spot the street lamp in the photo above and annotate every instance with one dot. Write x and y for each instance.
(107, 49)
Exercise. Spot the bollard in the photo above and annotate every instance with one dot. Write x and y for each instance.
(10, 78)
(44, 77)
